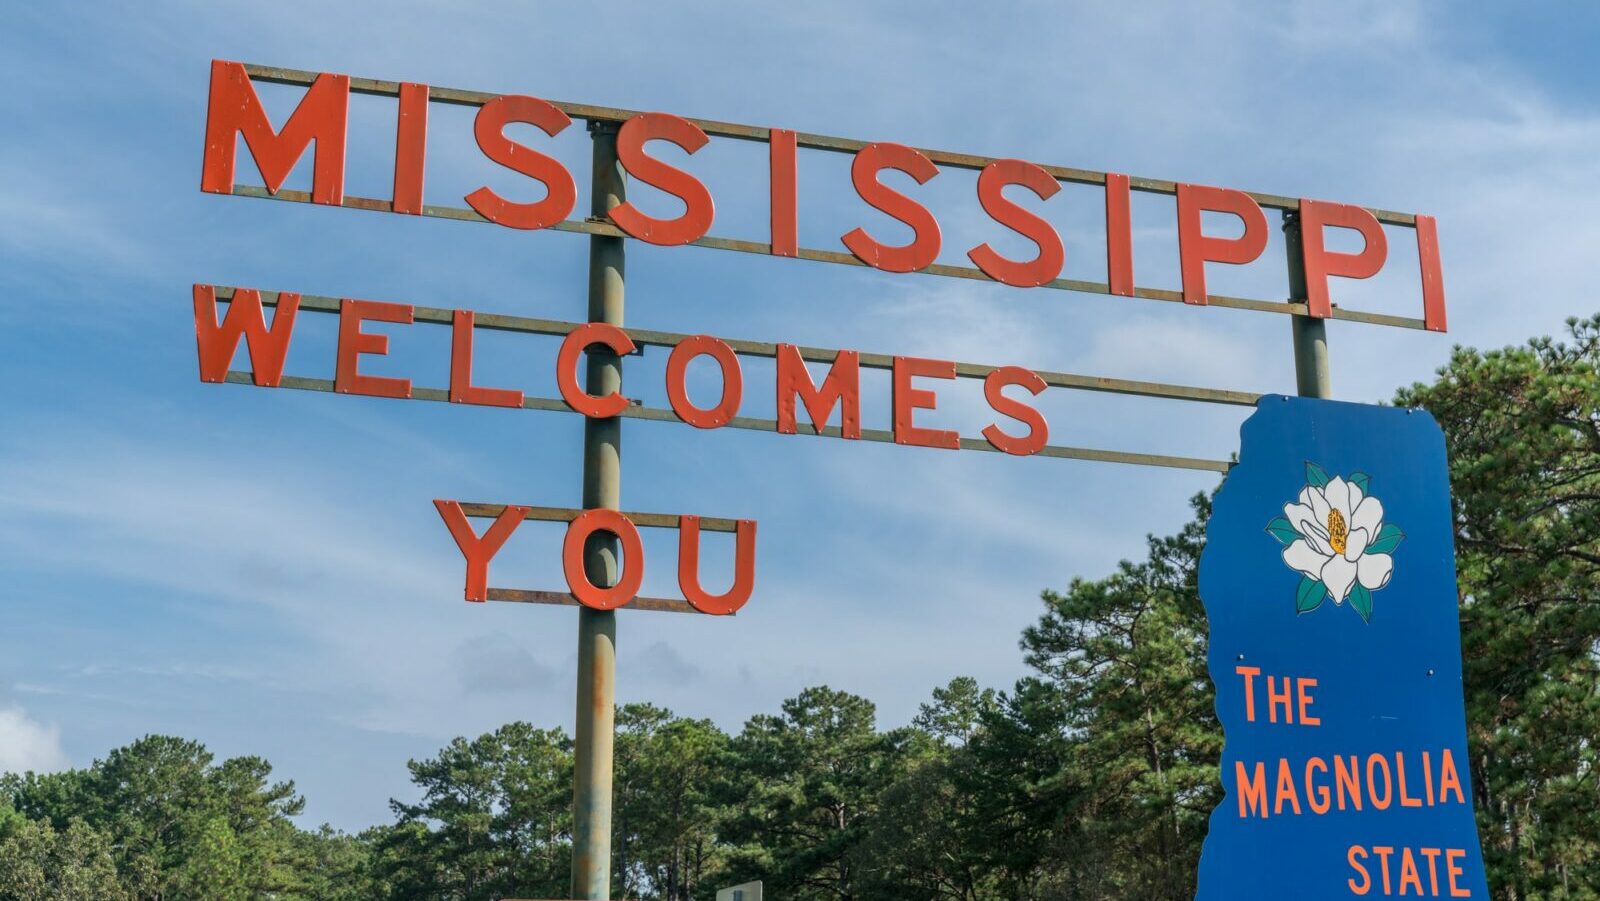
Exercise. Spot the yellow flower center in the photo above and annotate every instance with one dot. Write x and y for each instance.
(1337, 531)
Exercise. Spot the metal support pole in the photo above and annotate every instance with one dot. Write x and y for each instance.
(1310, 334)
(595, 728)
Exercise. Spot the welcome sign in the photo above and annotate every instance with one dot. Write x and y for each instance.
(1329, 581)
(1329, 575)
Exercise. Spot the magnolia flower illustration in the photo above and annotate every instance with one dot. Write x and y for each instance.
(1335, 537)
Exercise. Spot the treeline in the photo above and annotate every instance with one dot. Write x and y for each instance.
(1091, 778)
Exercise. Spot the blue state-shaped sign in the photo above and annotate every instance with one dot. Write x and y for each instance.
(1329, 581)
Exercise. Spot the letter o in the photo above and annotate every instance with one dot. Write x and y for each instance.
(732, 382)
(1372, 783)
(631, 563)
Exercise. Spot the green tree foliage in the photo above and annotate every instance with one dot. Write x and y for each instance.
(804, 788)
(330, 866)
(666, 811)
(179, 825)
(39, 863)
(1125, 659)
(1523, 430)
(928, 837)
(494, 821)
(956, 711)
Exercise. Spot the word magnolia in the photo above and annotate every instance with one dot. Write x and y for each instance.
(322, 117)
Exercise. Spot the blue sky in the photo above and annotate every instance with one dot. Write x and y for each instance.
(263, 570)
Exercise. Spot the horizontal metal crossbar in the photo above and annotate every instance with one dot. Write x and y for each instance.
(601, 227)
(591, 112)
(565, 599)
(238, 377)
(556, 327)
(568, 514)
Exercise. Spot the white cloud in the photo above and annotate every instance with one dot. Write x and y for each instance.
(660, 662)
(29, 745)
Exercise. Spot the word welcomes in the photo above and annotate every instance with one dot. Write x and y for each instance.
(794, 387)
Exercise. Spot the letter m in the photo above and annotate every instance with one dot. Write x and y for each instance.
(219, 341)
(1252, 792)
(234, 110)
(841, 388)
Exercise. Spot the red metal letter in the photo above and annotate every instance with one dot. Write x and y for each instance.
(1119, 235)
(479, 550)
(410, 148)
(488, 128)
(784, 189)
(462, 391)
(353, 342)
(234, 109)
(1038, 429)
(678, 391)
(266, 348)
(631, 562)
(1321, 263)
(744, 567)
(924, 246)
(841, 387)
(1047, 264)
(698, 208)
(1432, 274)
(1195, 249)
(577, 341)
(907, 400)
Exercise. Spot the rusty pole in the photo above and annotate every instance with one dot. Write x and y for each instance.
(594, 730)
(1310, 334)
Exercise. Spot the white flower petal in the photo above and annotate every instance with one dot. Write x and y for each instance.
(1339, 574)
(1317, 535)
(1319, 504)
(1294, 513)
(1374, 570)
(1355, 544)
(1356, 496)
(1338, 494)
(1368, 515)
(1303, 558)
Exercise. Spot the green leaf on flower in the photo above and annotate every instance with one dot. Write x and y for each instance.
(1315, 475)
(1360, 480)
(1283, 530)
(1361, 602)
(1310, 595)
(1389, 538)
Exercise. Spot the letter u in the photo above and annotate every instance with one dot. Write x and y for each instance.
(744, 567)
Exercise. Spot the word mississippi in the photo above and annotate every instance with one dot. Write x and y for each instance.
(322, 116)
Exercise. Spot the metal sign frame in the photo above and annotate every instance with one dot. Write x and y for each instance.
(601, 557)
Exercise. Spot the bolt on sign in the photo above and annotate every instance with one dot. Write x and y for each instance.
(602, 560)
